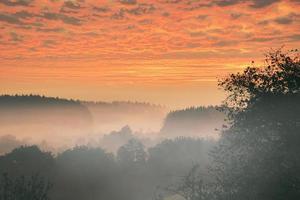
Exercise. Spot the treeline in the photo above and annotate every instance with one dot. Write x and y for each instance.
(134, 104)
(35, 100)
(194, 121)
(100, 116)
(92, 173)
(43, 118)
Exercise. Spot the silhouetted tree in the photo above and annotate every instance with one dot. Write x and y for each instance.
(258, 156)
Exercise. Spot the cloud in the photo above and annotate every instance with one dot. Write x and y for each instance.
(284, 20)
(92, 34)
(288, 19)
(261, 39)
(23, 14)
(15, 37)
(165, 14)
(119, 14)
(47, 30)
(71, 5)
(295, 37)
(172, 1)
(225, 43)
(254, 3)
(202, 17)
(201, 54)
(163, 26)
(141, 9)
(193, 6)
(236, 15)
(145, 22)
(49, 43)
(128, 2)
(263, 22)
(16, 2)
(101, 9)
(10, 19)
(16, 18)
(263, 3)
(192, 45)
(64, 18)
(197, 34)
(223, 3)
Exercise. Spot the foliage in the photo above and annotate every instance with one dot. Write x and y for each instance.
(192, 186)
(279, 77)
(21, 188)
(132, 153)
(35, 100)
(83, 172)
(257, 158)
(193, 121)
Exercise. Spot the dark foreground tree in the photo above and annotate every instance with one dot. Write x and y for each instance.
(192, 186)
(33, 188)
(258, 156)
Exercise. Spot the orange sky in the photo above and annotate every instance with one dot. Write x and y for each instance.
(163, 51)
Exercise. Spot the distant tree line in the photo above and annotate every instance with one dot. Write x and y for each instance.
(194, 121)
(41, 100)
(36, 100)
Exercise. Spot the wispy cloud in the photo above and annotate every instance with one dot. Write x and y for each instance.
(16, 2)
(88, 32)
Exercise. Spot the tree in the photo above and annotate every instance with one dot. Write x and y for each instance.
(180, 167)
(192, 186)
(132, 153)
(258, 156)
(85, 173)
(27, 160)
(21, 188)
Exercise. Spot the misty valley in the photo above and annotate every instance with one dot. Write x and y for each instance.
(55, 124)
(73, 150)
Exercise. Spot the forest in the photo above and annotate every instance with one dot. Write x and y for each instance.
(254, 157)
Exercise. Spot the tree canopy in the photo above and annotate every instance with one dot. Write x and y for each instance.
(257, 157)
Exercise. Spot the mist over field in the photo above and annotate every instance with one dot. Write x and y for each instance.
(56, 124)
